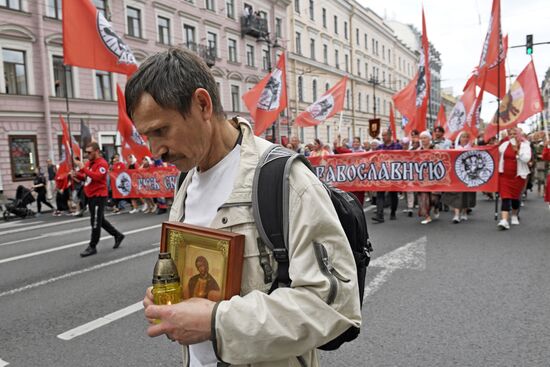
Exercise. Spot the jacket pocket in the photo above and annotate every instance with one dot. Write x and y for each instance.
(328, 271)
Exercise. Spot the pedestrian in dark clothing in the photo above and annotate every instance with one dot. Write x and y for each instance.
(39, 186)
(50, 187)
(387, 144)
(95, 174)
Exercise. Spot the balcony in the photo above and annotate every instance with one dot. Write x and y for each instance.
(207, 53)
(254, 25)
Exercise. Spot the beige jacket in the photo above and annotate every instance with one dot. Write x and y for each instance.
(283, 328)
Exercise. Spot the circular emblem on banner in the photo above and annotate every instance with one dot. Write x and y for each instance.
(511, 106)
(124, 184)
(474, 167)
(322, 108)
(113, 42)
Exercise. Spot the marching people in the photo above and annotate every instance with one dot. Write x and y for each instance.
(63, 184)
(52, 170)
(439, 140)
(460, 201)
(39, 186)
(185, 125)
(296, 145)
(387, 144)
(116, 165)
(94, 172)
(427, 200)
(515, 154)
(318, 149)
(132, 164)
(149, 205)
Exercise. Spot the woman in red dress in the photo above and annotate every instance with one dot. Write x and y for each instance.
(515, 153)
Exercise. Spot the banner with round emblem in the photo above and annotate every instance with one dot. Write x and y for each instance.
(475, 169)
(154, 182)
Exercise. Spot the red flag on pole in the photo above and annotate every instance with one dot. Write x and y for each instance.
(70, 145)
(522, 101)
(493, 55)
(132, 142)
(459, 114)
(392, 125)
(412, 101)
(268, 98)
(330, 103)
(441, 117)
(90, 41)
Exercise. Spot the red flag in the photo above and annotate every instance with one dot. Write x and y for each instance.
(441, 117)
(392, 125)
(330, 103)
(412, 101)
(90, 41)
(493, 74)
(68, 147)
(493, 54)
(132, 141)
(472, 121)
(459, 114)
(522, 101)
(268, 98)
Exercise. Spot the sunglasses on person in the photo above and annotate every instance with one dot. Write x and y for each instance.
(89, 151)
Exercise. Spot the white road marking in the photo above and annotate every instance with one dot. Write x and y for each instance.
(46, 225)
(102, 321)
(78, 272)
(19, 223)
(51, 234)
(3, 363)
(410, 256)
(59, 248)
(370, 208)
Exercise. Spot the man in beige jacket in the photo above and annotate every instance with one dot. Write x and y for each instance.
(173, 99)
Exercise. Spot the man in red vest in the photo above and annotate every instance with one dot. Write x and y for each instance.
(94, 172)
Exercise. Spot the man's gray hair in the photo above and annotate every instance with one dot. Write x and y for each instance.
(171, 77)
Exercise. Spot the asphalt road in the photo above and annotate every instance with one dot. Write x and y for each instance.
(438, 295)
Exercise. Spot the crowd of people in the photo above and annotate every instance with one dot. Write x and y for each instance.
(523, 165)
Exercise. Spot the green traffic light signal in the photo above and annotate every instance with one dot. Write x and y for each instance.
(529, 44)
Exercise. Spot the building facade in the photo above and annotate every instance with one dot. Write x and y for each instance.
(545, 92)
(329, 40)
(448, 100)
(231, 35)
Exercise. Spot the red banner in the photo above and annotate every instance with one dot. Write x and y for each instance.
(474, 169)
(154, 182)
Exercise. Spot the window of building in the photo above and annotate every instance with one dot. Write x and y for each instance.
(346, 30)
(311, 10)
(359, 101)
(265, 60)
(209, 4)
(377, 48)
(389, 81)
(298, 43)
(366, 42)
(297, 6)
(324, 17)
(329, 133)
(230, 8)
(278, 27)
(316, 131)
(385, 105)
(190, 37)
(378, 103)
(15, 71)
(23, 156)
(357, 37)
(325, 54)
(300, 89)
(359, 67)
(212, 42)
(263, 14)
(101, 6)
(327, 86)
(164, 30)
(11, 4)
(346, 60)
(104, 86)
(312, 48)
(373, 44)
(383, 52)
(389, 55)
(235, 98)
(134, 21)
(399, 63)
(383, 76)
(53, 9)
(336, 24)
(366, 70)
(250, 55)
(367, 104)
(62, 75)
(347, 99)
(336, 59)
(314, 90)
(232, 49)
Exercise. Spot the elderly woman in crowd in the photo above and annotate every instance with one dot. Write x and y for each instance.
(513, 168)
(460, 201)
(318, 149)
(427, 200)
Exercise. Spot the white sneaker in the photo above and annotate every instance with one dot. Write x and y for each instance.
(515, 220)
(456, 219)
(503, 224)
(436, 214)
(145, 208)
(426, 221)
(134, 211)
(464, 217)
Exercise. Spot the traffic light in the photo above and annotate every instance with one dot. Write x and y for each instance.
(529, 44)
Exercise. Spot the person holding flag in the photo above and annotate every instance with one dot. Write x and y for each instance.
(95, 173)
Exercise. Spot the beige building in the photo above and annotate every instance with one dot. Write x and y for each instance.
(332, 39)
(448, 100)
(545, 91)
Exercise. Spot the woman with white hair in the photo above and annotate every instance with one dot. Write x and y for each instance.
(427, 200)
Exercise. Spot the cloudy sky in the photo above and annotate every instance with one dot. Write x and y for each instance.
(457, 28)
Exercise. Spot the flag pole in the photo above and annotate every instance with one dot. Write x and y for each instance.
(497, 196)
(70, 152)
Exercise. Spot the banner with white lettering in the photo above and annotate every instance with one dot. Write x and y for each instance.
(154, 182)
(475, 169)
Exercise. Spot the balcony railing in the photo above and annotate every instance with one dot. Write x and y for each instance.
(254, 25)
(207, 53)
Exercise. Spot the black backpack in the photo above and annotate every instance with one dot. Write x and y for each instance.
(270, 203)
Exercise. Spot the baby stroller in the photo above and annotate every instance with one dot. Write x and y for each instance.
(18, 206)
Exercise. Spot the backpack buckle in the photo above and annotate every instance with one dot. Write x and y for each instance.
(280, 254)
